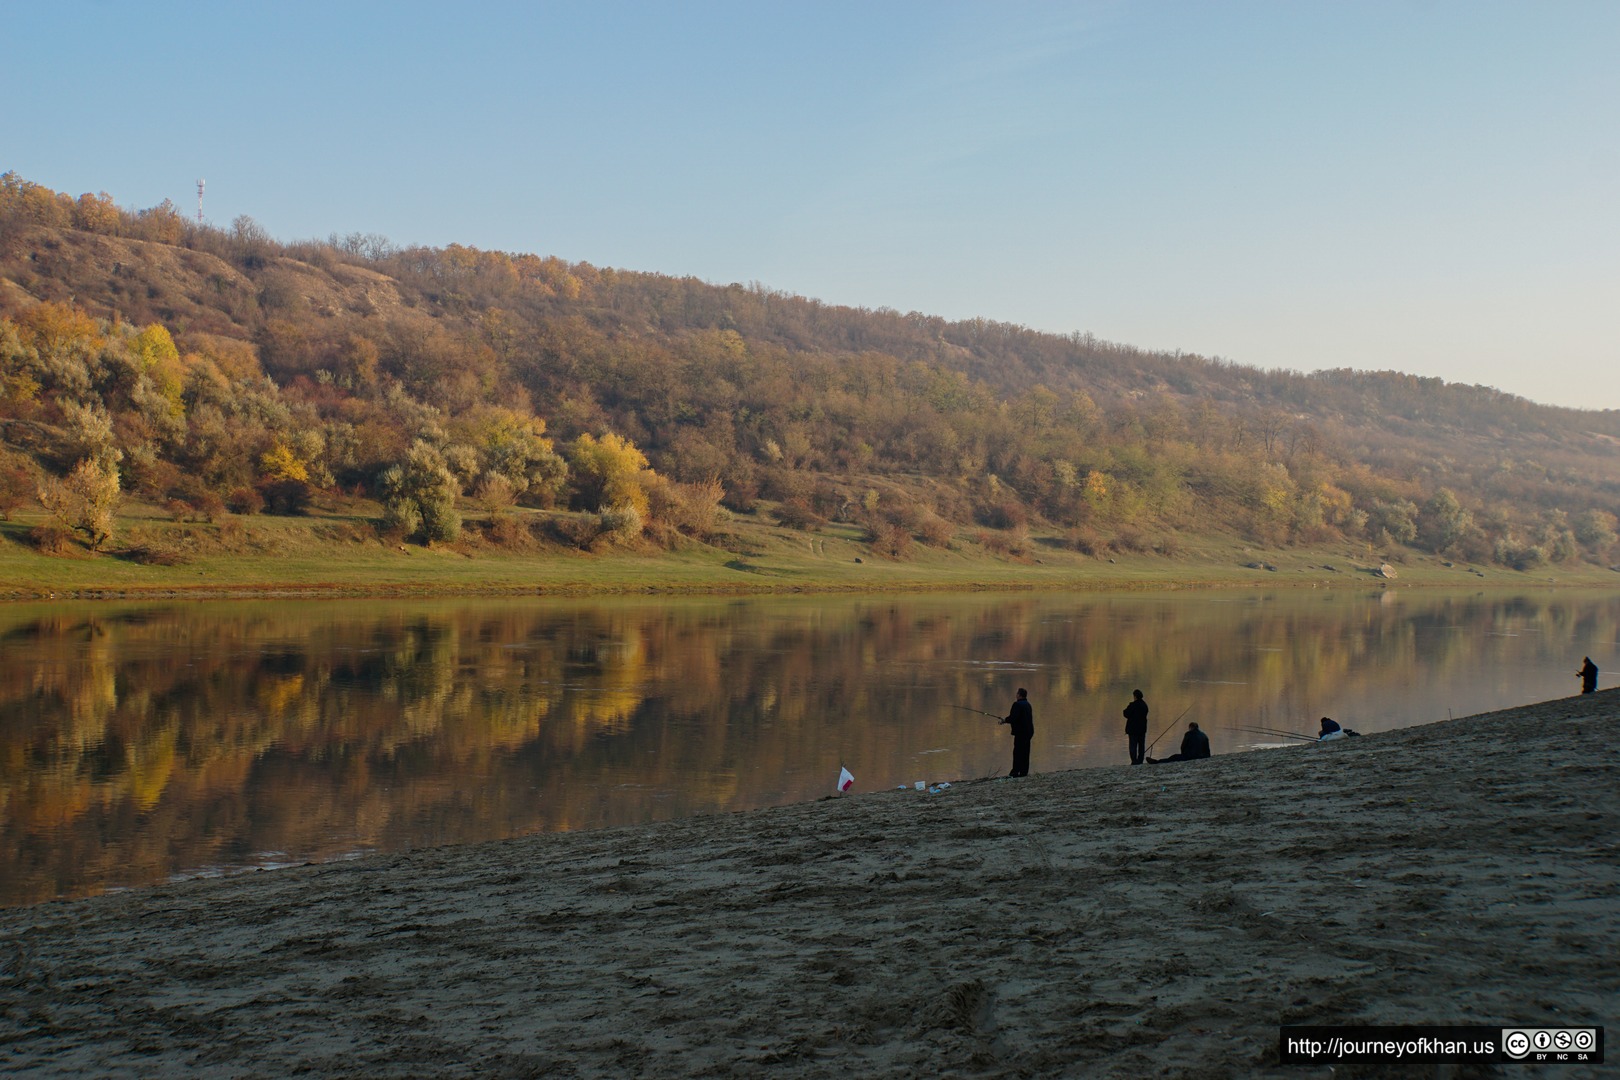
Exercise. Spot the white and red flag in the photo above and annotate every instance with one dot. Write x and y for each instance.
(846, 779)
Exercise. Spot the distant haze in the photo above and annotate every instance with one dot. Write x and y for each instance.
(1426, 187)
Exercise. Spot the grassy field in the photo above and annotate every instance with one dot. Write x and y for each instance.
(336, 550)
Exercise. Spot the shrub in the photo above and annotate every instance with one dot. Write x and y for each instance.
(1085, 540)
(399, 520)
(891, 541)
(796, 514)
(443, 526)
(575, 531)
(1520, 556)
(1129, 540)
(827, 501)
(419, 495)
(495, 493)
(699, 506)
(85, 500)
(289, 498)
(1001, 514)
(742, 494)
(51, 539)
(609, 472)
(232, 534)
(905, 514)
(508, 531)
(691, 509)
(1014, 543)
(619, 524)
(152, 476)
(208, 506)
(665, 536)
(934, 531)
(198, 504)
(17, 487)
(244, 500)
(788, 485)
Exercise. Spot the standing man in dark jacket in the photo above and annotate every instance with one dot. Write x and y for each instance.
(1194, 745)
(1136, 714)
(1022, 719)
(1588, 675)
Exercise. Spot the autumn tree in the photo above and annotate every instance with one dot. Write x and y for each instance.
(19, 379)
(161, 224)
(419, 496)
(17, 486)
(85, 501)
(1596, 529)
(608, 472)
(1396, 520)
(284, 477)
(1442, 521)
(152, 349)
(513, 447)
(97, 213)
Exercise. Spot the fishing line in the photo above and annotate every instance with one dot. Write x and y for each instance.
(1166, 731)
(1271, 733)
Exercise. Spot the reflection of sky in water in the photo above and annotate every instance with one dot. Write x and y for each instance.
(143, 741)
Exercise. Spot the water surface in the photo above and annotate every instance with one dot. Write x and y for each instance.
(139, 742)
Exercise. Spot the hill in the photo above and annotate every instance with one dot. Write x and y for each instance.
(219, 372)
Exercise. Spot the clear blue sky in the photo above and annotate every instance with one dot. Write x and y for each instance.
(1430, 186)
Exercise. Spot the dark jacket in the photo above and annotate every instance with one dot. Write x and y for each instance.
(1195, 744)
(1022, 719)
(1136, 714)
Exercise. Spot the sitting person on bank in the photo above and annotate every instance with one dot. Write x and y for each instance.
(1194, 745)
(1331, 730)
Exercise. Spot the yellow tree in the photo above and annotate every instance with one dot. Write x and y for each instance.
(513, 445)
(158, 357)
(280, 463)
(85, 500)
(97, 213)
(608, 472)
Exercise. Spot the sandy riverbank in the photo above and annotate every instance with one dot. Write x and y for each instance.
(1109, 922)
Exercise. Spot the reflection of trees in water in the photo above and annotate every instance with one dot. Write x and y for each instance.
(193, 734)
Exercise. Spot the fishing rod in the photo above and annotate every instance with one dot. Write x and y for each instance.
(1264, 730)
(981, 712)
(1278, 734)
(1166, 731)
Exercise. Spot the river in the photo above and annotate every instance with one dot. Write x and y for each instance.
(141, 742)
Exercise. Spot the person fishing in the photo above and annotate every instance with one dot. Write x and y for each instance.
(1022, 719)
(1136, 714)
(1194, 745)
(1329, 726)
(1588, 676)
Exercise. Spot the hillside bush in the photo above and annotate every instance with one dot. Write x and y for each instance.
(508, 531)
(618, 524)
(892, 542)
(245, 501)
(1086, 540)
(797, 514)
(52, 538)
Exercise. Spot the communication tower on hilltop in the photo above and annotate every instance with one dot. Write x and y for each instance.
(200, 184)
